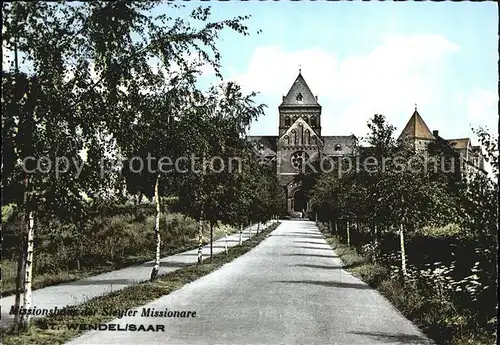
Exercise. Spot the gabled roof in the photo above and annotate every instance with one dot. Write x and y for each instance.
(296, 124)
(268, 142)
(461, 143)
(338, 144)
(416, 128)
(300, 94)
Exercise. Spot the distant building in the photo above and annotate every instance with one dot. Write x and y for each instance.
(300, 140)
(419, 136)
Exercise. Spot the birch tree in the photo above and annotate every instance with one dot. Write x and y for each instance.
(156, 266)
(414, 201)
(39, 135)
(85, 67)
(218, 122)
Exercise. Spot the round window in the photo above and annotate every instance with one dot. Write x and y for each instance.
(298, 159)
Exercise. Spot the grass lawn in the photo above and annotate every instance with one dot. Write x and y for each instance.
(42, 280)
(54, 330)
(439, 319)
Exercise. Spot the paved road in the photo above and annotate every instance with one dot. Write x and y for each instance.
(288, 290)
(82, 290)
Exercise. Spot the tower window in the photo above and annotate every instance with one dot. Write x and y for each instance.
(338, 147)
(299, 97)
(287, 121)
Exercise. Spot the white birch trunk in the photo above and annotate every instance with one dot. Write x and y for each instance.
(348, 235)
(336, 229)
(200, 239)
(225, 239)
(211, 241)
(156, 266)
(19, 277)
(28, 268)
(403, 251)
(241, 234)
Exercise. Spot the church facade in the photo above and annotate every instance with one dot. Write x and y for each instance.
(300, 140)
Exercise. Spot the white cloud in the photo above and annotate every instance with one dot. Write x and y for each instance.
(396, 74)
(482, 108)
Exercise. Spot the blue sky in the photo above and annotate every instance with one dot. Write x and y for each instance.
(363, 58)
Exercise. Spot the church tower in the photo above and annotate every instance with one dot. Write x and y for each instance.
(299, 139)
(299, 102)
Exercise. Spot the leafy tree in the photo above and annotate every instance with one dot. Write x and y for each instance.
(85, 67)
(217, 123)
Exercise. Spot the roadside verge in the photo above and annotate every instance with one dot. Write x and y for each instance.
(57, 329)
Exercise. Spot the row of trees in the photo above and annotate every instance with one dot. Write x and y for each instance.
(95, 88)
(402, 189)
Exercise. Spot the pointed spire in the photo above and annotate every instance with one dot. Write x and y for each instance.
(416, 127)
(300, 94)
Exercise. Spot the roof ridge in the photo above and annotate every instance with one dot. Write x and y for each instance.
(300, 94)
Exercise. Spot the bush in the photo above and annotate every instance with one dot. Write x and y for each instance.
(452, 300)
(121, 236)
(177, 228)
(450, 230)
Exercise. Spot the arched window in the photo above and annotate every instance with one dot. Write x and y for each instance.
(287, 121)
(307, 137)
(338, 147)
(313, 121)
(294, 133)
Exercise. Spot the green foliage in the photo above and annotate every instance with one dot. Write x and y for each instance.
(449, 230)
(426, 298)
(225, 188)
(97, 84)
(8, 211)
(108, 242)
(454, 213)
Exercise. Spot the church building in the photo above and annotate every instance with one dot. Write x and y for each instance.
(300, 139)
